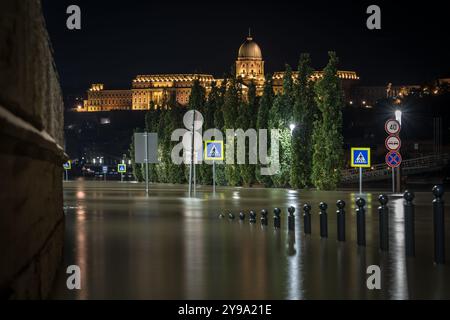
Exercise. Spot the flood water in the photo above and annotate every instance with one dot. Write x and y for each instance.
(169, 246)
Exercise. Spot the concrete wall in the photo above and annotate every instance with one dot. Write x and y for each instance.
(31, 133)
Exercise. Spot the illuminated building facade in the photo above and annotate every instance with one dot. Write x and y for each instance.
(154, 91)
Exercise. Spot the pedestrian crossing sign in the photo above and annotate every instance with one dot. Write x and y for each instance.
(67, 165)
(360, 157)
(122, 168)
(213, 150)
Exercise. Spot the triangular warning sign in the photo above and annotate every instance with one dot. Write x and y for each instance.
(360, 158)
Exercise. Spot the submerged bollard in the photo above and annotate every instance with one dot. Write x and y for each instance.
(252, 217)
(383, 215)
(439, 224)
(291, 219)
(307, 218)
(277, 218)
(340, 220)
(360, 222)
(409, 223)
(264, 217)
(242, 215)
(323, 220)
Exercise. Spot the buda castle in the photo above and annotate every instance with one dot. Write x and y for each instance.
(151, 91)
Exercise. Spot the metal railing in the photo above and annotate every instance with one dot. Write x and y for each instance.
(411, 166)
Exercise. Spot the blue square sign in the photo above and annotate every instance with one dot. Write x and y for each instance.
(360, 157)
(214, 150)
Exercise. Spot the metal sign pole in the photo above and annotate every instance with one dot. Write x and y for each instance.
(146, 163)
(393, 180)
(214, 177)
(360, 180)
(194, 175)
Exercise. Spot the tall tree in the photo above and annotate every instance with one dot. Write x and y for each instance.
(262, 122)
(211, 106)
(135, 167)
(219, 124)
(246, 120)
(280, 117)
(327, 136)
(197, 101)
(305, 112)
(231, 104)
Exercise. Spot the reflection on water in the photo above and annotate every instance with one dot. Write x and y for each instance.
(168, 246)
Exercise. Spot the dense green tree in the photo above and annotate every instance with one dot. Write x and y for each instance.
(219, 124)
(211, 106)
(304, 114)
(135, 167)
(197, 100)
(230, 108)
(262, 122)
(151, 125)
(327, 135)
(280, 117)
(246, 120)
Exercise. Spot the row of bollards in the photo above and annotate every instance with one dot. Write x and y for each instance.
(383, 215)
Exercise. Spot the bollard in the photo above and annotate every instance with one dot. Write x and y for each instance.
(277, 218)
(291, 219)
(231, 216)
(323, 220)
(221, 216)
(383, 215)
(340, 220)
(242, 216)
(360, 222)
(264, 217)
(409, 223)
(439, 224)
(252, 217)
(307, 218)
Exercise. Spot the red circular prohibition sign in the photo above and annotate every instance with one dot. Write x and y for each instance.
(393, 159)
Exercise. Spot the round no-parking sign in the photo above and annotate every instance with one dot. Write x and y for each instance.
(393, 159)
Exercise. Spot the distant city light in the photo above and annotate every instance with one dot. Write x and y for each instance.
(129, 162)
(93, 161)
(364, 102)
(351, 102)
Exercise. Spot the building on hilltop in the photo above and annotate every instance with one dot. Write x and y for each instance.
(153, 91)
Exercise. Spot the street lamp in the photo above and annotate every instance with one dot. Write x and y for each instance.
(398, 116)
(292, 127)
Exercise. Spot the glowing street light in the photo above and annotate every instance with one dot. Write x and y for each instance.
(398, 116)
(292, 127)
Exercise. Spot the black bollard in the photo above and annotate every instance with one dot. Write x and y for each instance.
(252, 217)
(340, 220)
(242, 216)
(409, 223)
(221, 216)
(291, 219)
(277, 218)
(231, 216)
(383, 215)
(360, 222)
(264, 217)
(439, 224)
(307, 218)
(323, 220)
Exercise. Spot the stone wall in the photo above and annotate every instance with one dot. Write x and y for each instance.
(31, 157)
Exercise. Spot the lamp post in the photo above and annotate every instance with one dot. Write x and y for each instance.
(398, 117)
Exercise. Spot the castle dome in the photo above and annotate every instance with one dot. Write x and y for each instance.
(250, 50)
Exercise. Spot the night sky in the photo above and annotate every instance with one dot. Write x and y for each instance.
(121, 39)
